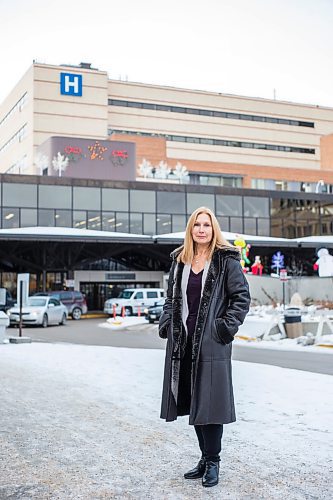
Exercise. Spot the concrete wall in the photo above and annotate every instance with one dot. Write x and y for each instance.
(309, 288)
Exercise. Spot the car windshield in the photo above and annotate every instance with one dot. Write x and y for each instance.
(125, 294)
(36, 302)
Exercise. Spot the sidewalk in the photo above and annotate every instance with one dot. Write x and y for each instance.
(82, 422)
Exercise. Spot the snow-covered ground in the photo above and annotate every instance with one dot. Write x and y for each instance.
(82, 422)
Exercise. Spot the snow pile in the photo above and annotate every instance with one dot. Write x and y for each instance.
(82, 422)
(119, 322)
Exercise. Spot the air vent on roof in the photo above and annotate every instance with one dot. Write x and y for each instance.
(85, 65)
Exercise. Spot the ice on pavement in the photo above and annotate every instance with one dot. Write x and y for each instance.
(82, 422)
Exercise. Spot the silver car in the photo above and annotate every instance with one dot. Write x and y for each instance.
(42, 311)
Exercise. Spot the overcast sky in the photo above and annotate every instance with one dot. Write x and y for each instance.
(245, 47)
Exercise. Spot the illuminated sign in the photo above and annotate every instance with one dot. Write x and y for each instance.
(119, 157)
(71, 84)
(96, 151)
(73, 153)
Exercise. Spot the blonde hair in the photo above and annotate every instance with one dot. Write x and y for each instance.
(186, 254)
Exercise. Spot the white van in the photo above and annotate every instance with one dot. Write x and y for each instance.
(133, 300)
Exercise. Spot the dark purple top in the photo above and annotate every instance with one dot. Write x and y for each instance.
(193, 293)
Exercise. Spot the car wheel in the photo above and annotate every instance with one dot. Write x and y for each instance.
(151, 321)
(76, 313)
(128, 311)
(64, 319)
(45, 322)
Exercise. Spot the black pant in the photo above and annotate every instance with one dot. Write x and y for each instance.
(209, 437)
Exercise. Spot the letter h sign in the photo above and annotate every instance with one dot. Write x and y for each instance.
(70, 84)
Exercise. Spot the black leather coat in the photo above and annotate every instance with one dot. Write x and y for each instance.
(224, 304)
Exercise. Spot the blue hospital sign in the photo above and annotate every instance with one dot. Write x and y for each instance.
(70, 84)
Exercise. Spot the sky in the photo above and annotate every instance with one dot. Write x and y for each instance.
(261, 48)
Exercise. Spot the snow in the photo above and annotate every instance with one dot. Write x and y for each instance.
(119, 322)
(82, 422)
(69, 232)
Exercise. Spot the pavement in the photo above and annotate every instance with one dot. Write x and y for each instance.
(82, 422)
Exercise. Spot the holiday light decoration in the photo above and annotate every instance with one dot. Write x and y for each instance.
(277, 262)
(180, 171)
(145, 168)
(97, 151)
(162, 170)
(60, 163)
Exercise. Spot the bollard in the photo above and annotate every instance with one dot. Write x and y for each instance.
(139, 312)
(123, 311)
(114, 311)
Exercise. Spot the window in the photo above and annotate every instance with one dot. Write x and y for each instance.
(55, 197)
(80, 219)
(17, 137)
(19, 195)
(122, 222)
(196, 200)
(256, 207)
(149, 224)
(28, 217)
(55, 302)
(178, 223)
(86, 198)
(136, 223)
(140, 199)
(138, 295)
(94, 220)
(222, 142)
(208, 112)
(63, 218)
(46, 218)
(108, 221)
(10, 218)
(152, 295)
(228, 205)
(170, 203)
(115, 199)
(163, 223)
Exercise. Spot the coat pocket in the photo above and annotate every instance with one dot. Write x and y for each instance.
(224, 337)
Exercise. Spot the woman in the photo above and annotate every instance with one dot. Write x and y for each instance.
(207, 300)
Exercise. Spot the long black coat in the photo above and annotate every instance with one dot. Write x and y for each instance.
(224, 304)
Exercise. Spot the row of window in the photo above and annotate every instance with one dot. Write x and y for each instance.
(306, 187)
(282, 224)
(135, 223)
(17, 107)
(209, 112)
(19, 166)
(17, 137)
(150, 201)
(219, 142)
(125, 200)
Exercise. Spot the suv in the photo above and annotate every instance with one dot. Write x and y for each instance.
(133, 299)
(74, 301)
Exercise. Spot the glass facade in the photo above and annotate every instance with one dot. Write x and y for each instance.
(151, 210)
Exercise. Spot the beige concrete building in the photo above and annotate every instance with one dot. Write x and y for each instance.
(221, 139)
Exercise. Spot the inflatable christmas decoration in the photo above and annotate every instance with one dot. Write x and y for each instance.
(244, 249)
(324, 264)
(257, 266)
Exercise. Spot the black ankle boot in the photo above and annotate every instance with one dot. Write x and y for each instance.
(198, 470)
(211, 474)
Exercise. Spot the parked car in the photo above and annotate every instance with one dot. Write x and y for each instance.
(42, 311)
(10, 302)
(74, 301)
(154, 312)
(131, 299)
